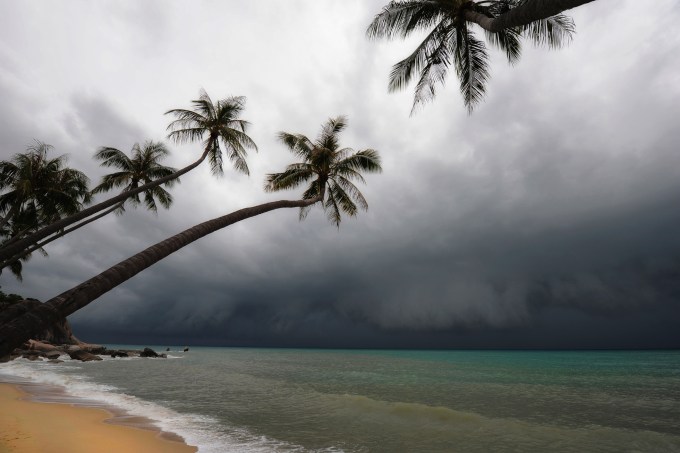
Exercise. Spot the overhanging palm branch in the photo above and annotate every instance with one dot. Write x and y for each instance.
(328, 169)
(450, 41)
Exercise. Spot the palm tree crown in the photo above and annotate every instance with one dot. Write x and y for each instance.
(45, 188)
(219, 127)
(330, 169)
(451, 41)
(141, 168)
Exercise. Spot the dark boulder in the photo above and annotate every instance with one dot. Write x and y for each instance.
(83, 356)
(52, 355)
(93, 348)
(148, 352)
(186, 349)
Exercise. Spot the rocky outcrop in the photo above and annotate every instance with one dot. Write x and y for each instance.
(58, 339)
(59, 333)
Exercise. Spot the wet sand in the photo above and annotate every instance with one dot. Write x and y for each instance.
(28, 426)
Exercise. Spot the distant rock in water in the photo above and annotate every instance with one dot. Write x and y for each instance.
(167, 349)
(186, 349)
(82, 355)
(148, 352)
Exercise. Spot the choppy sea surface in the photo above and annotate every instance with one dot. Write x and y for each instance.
(298, 400)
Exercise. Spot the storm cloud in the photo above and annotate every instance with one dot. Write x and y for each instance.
(547, 218)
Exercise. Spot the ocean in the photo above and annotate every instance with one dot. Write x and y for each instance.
(306, 400)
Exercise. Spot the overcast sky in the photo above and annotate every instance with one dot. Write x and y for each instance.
(547, 218)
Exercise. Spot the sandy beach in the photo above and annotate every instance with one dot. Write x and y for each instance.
(27, 426)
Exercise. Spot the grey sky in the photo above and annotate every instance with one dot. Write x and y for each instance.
(547, 218)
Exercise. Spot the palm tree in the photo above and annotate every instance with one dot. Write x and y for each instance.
(340, 163)
(329, 170)
(451, 41)
(217, 124)
(142, 168)
(47, 186)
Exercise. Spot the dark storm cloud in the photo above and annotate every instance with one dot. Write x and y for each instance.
(546, 219)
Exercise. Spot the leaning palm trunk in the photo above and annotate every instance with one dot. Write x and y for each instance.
(21, 328)
(39, 245)
(524, 14)
(10, 250)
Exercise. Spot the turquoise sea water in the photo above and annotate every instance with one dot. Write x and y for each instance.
(285, 400)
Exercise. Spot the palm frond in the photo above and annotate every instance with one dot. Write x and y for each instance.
(112, 157)
(471, 60)
(554, 32)
(343, 200)
(112, 180)
(400, 18)
(354, 193)
(332, 209)
(299, 144)
(293, 176)
(508, 41)
(328, 138)
(365, 160)
(433, 49)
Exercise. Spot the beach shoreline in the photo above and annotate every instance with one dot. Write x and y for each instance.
(27, 425)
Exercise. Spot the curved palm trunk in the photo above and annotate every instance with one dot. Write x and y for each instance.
(10, 250)
(32, 249)
(528, 12)
(21, 328)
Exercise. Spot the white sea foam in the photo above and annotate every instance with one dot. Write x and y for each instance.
(205, 432)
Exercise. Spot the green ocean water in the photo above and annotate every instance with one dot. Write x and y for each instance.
(227, 399)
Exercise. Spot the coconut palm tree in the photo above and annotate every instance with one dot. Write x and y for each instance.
(142, 168)
(329, 165)
(329, 170)
(451, 41)
(47, 186)
(217, 124)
